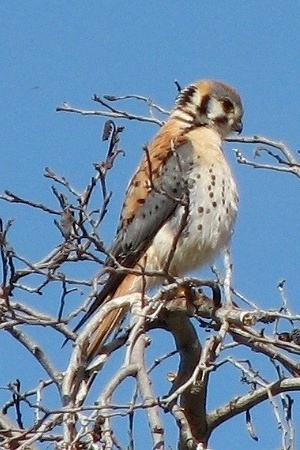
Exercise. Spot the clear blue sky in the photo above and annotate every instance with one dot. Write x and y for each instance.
(59, 51)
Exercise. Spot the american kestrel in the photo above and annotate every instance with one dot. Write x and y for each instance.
(181, 203)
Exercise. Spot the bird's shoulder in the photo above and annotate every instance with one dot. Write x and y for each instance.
(157, 153)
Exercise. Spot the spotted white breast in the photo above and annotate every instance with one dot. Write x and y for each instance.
(199, 229)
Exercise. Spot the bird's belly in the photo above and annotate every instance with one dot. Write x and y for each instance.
(199, 230)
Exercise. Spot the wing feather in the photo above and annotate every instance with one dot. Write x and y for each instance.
(136, 235)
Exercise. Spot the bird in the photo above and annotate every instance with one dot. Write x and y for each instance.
(181, 203)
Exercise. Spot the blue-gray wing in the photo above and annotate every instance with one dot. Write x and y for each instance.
(168, 191)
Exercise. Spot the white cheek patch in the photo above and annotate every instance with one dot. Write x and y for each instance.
(214, 109)
(196, 98)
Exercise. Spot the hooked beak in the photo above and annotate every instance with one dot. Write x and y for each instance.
(238, 127)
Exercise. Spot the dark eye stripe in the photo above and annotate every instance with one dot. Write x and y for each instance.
(202, 109)
(221, 120)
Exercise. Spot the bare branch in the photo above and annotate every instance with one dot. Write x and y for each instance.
(37, 352)
(65, 107)
(245, 402)
(13, 198)
(288, 163)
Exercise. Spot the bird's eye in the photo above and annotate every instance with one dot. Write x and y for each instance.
(227, 105)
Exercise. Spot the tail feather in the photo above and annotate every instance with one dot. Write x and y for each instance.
(109, 324)
(108, 291)
(130, 284)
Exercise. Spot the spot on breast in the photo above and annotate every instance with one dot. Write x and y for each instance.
(191, 183)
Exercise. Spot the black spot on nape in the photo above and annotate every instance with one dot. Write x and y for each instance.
(182, 119)
(185, 95)
(202, 108)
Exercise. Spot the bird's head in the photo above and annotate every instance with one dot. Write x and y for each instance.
(212, 104)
